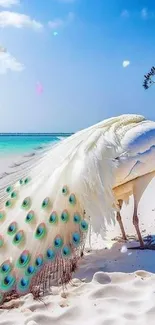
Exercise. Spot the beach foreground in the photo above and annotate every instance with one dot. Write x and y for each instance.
(97, 294)
(113, 285)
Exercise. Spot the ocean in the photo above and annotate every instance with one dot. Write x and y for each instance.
(16, 143)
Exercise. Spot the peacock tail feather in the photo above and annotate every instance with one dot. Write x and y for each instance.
(40, 238)
(46, 203)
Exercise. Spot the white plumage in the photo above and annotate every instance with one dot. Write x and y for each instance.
(84, 177)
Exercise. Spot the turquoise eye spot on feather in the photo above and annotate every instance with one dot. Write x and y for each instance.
(65, 216)
(40, 231)
(58, 242)
(53, 217)
(24, 259)
(26, 180)
(13, 195)
(84, 225)
(65, 190)
(1, 241)
(23, 284)
(18, 238)
(26, 203)
(8, 204)
(39, 261)
(66, 252)
(9, 189)
(76, 238)
(30, 270)
(50, 254)
(29, 217)
(6, 267)
(7, 283)
(12, 228)
(72, 199)
(45, 203)
(2, 215)
(20, 181)
(77, 218)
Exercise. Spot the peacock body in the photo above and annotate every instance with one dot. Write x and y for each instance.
(46, 203)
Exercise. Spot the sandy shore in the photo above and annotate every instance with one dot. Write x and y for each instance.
(113, 286)
(101, 293)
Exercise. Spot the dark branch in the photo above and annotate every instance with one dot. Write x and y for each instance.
(148, 82)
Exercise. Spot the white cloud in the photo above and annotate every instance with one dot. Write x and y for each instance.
(8, 62)
(2, 49)
(125, 13)
(144, 13)
(9, 18)
(58, 22)
(9, 3)
(125, 63)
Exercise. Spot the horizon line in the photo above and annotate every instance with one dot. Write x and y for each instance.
(36, 133)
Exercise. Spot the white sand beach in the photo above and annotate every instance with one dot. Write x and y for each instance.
(113, 285)
(109, 288)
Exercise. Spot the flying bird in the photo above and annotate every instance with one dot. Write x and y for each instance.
(50, 199)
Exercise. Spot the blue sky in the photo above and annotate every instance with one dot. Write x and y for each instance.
(80, 68)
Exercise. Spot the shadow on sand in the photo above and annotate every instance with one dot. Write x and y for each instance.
(113, 260)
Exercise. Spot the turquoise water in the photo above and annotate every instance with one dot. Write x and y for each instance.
(18, 143)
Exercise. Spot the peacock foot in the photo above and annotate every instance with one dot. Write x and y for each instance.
(148, 243)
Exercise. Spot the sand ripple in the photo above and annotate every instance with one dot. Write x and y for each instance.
(108, 299)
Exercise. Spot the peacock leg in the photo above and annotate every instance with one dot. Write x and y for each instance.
(148, 244)
(119, 219)
(136, 224)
